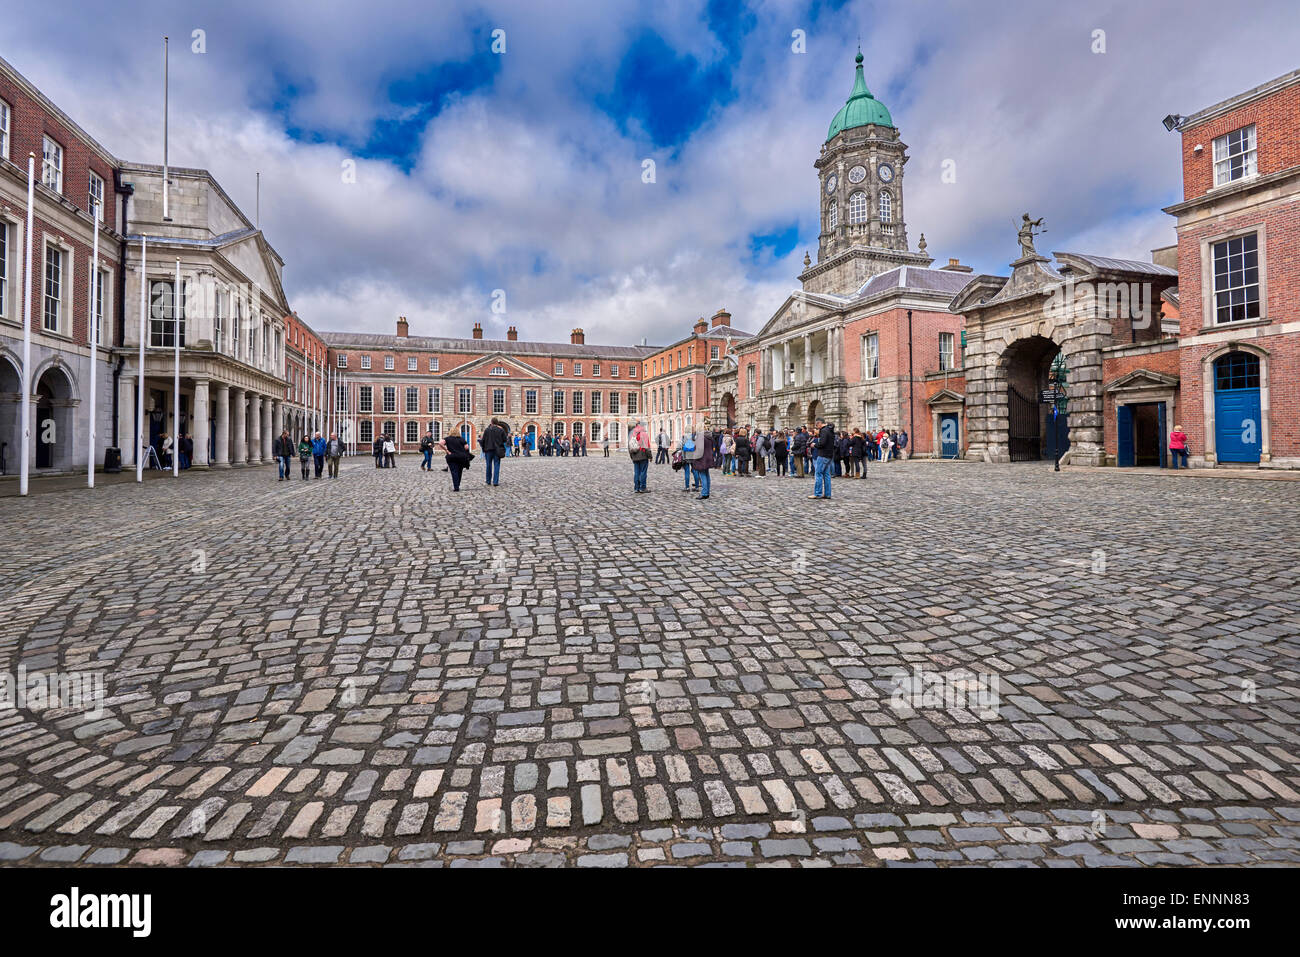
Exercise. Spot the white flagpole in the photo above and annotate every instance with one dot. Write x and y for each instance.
(94, 352)
(139, 397)
(176, 373)
(26, 397)
(166, 217)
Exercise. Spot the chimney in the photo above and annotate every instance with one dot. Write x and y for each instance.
(478, 330)
(576, 337)
(512, 334)
(701, 326)
(956, 266)
(401, 327)
(721, 318)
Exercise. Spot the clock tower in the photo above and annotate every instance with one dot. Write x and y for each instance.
(860, 179)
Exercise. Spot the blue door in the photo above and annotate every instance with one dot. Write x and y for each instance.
(1124, 434)
(1237, 423)
(1162, 434)
(949, 435)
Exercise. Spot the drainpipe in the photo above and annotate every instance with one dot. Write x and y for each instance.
(125, 190)
(911, 386)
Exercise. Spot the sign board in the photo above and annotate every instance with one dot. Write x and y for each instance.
(1048, 395)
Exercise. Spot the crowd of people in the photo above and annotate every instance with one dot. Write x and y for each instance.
(821, 451)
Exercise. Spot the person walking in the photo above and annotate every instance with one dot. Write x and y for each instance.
(318, 445)
(426, 449)
(304, 457)
(638, 449)
(781, 453)
(282, 449)
(493, 445)
(604, 444)
(798, 446)
(702, 458)
(377, 450)
(390, 452)
(1178, 447)
(823, 453)
(662, 442)
(333, 452)
(458, 457)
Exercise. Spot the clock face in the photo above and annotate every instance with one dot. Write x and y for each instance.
(885, 172)
(857, 174)
(830, 183)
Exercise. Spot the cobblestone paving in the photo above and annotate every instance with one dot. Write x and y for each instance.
(376, 671)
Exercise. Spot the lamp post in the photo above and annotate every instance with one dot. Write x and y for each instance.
(1056, 379)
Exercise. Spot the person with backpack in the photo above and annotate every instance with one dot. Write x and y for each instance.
(390, 452)
(663, 443)
(798, 446)
(699, 452)
(638, 449)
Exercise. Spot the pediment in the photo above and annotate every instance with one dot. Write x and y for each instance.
(1142, 379)
(250, 254)
(482, 367)
(944, 396)
(798, 310)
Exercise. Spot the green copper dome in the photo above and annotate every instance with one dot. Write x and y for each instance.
(861, 109)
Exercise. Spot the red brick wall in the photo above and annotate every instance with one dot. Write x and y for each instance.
(1283, 365)
(1114, 367)
(1276, 139)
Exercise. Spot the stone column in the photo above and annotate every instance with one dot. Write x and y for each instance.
(277, 417)
(199, 428)
(268, 420)
(807, 358)
(222, 458)
(238, 422)
(254, 430)
(785, 368)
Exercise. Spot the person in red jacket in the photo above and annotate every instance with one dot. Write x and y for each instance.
(1178, 447)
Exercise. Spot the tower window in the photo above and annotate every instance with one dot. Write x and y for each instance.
(857, 208)
(832, 215)
(886, 207)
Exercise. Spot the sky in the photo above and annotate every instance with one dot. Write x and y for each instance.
(445, 161)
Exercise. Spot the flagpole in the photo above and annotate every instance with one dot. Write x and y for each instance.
(139, 396)
(94, 352)
(166, 217)
(27, 329)
(176, 373)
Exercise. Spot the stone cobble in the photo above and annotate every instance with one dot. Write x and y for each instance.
(947, 664)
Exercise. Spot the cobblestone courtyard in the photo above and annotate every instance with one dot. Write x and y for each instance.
(374, 670)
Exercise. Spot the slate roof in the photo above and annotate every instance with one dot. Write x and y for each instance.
(1107, 263)
(943, 281)
(368, 340)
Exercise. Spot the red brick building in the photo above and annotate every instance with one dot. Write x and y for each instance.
(1239, 272)
(404, 385)
(675, 380)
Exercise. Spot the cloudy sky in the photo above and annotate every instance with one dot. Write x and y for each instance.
(522, 170)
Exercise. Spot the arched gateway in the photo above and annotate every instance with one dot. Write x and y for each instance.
(1043, 331)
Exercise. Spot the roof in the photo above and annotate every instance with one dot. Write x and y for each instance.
(367, 340)
(1110, 264)
(914, 277)
(861, 108)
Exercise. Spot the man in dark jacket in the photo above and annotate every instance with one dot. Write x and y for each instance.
(493, 444)
(743, 452)
(823, 454)
(377, 449)
(283, 449)
(798, 443)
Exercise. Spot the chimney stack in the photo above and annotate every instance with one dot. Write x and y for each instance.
(402, 327)
(955, 265)
(478, 330)
(512, 334)
(576, 337)
(701, 326)
(721, 318)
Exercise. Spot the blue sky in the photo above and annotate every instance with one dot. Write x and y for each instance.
(522, 168)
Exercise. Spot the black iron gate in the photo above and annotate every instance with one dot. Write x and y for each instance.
(1024, 433)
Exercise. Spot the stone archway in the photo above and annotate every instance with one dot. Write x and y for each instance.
(1024, 368)
(773, 419)
(814, 410)
(11, 388)
(53, 435)
(729, 409)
